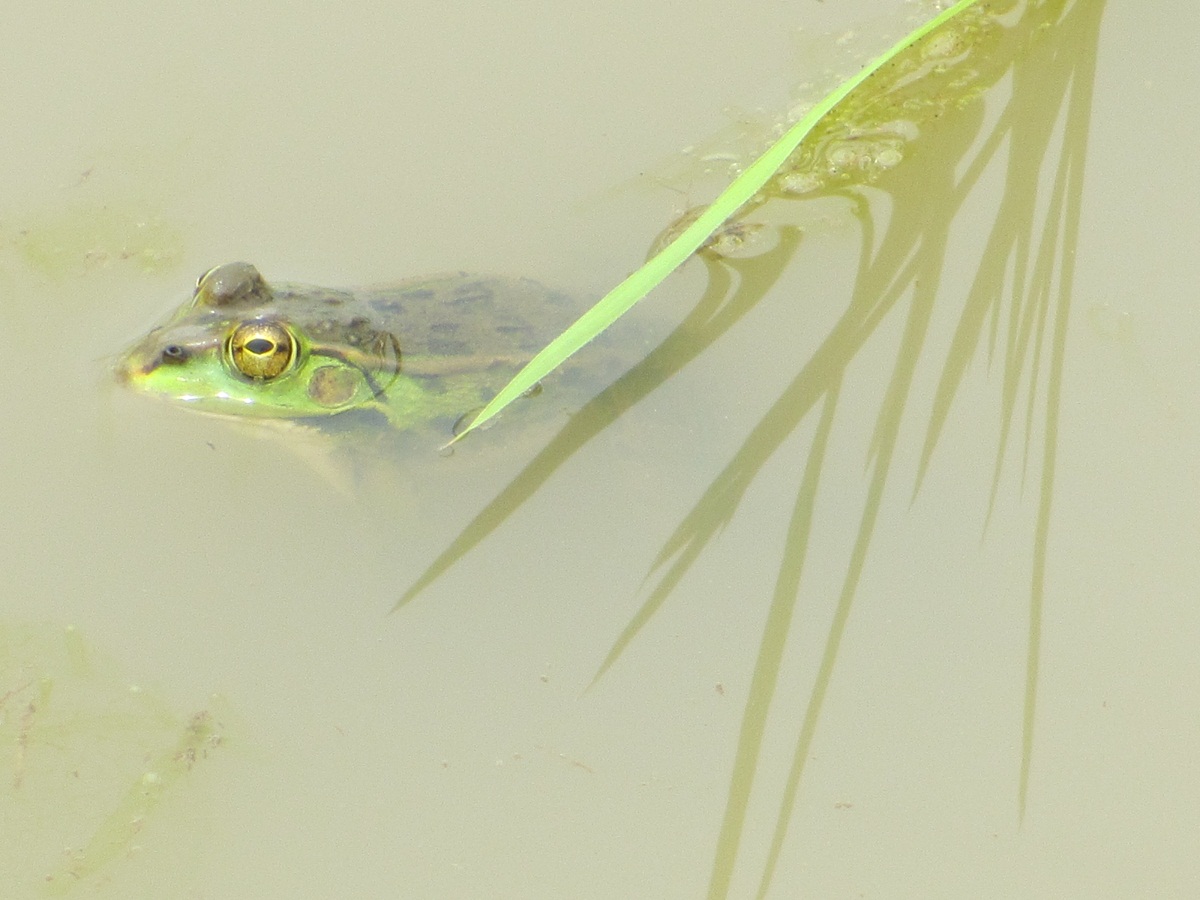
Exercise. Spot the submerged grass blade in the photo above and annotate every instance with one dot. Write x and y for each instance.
(621, 298)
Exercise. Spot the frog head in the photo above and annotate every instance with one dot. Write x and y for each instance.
(238, 347)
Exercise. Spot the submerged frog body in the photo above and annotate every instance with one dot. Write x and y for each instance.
(422, 352)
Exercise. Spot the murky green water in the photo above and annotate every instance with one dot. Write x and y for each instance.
(890, 587)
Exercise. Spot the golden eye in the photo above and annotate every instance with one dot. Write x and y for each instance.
(261, 350)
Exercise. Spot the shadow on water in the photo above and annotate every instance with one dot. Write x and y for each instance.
(1020, 297)
(711, 318)
(1017, 307)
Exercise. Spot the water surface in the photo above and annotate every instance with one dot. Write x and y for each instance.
(887, 665)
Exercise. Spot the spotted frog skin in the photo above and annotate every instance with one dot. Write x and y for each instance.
(426, 351)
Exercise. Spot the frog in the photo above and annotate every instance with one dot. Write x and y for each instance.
(425, 353)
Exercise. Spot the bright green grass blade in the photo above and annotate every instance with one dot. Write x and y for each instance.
(619, 300)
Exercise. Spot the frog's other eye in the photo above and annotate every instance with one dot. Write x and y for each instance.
(233, 284)
(261, 350)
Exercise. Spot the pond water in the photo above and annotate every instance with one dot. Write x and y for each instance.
(876, 579)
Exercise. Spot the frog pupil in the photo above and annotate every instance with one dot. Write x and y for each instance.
(260, 346)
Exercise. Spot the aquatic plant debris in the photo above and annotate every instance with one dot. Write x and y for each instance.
(93, 767)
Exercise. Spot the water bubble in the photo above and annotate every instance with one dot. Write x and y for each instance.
(943, 45)
(889, 157)
(800, 182)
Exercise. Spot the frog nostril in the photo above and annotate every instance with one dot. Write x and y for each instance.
(174, 353)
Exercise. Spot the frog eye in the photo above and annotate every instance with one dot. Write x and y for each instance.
(261, 350)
